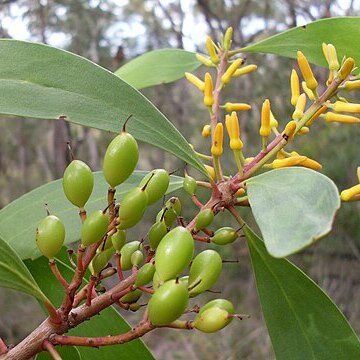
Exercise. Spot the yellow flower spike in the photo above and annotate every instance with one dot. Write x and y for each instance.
(299, 108)
(307, 91)
(306, 71)
(265, 129)
(204, 60)
(229, 107)
(340, 106)
(351, 85)
(332, 58)
(291, 161)
(245, 70)
(340, 118)
(348, 194)
(208, 91)
(210, 171)
(273, 122)
(346, 68)
(195, 81)
(210, 47)
(304, 130)
(206, 131)
(217, 146)
(289, 131)
(228, 38)
(226, 78)
(295, 87)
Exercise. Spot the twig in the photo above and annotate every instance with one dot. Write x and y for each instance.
(58, 275)
(50, 348)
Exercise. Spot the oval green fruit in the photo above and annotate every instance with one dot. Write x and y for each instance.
(131, 297)
(118, 239)
(204, 219)
(132, 208)
(212, 320)
(78, 183)
(174, 253)
(106, 244)
(126, 251)
(204, 272)
(136, 258)
(170, 211)
(219, 303)
(224, 236)
(168, 303)
(100, 260)
(50, 236)
(156, 282)
(145, 274)
(156, 182)
(156, 233)
(189, 185)
(120, 159)
(94, 228)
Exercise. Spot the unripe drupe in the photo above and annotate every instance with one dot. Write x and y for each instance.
(212, 320)
(204, 219)
(157, 182)
(156, 233)
(94, 227)
(118, 239)
(126, 252)
(224, 236)
(145, 274)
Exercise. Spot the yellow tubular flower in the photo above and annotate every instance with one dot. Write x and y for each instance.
(233, 129)
(291, 161)
(240, 192)
(347, 194)
(340, 106)
(208, 91)
(316, 115)
(204, 60)
(299, 108)
(295, 87)
(206, 131)
(265, 129)
(229, 107)
(289, 130)
(210, 171)
(351, 85)
(210, 47)
(225, 79)
(195, 81)
(340, 118)
(273, 122)
(325, 52)
(307, 91)
(311, 164)
(228, 38)
(358, 173)
(244, 70)
(306, 71)
(332, 58)
(346, 68)
(217, 146)
(304, 130)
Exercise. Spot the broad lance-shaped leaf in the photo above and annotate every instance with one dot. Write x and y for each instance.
(302, 320)
(158, 67)
(109, 322)
(43, 82)
(15, 275)
(293, 207)
(19, 219)
(342, 32)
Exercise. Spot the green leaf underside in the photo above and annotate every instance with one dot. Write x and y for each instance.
(108, 322)
(43, 82)
(342, 32)
(19, 219)
(293, 207)
(14, 274)
(158, 67)
(302, 320)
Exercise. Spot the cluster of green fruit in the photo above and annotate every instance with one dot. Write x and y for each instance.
(171, 248)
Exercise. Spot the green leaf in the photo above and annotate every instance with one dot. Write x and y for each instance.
(43, 82)
(15, 275)
(108, 322)
(158, 67)
(19, 219)
(293, 207)
(342, 32)
(66, 352)
(302, 320)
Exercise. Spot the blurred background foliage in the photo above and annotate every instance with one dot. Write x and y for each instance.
(112, 32)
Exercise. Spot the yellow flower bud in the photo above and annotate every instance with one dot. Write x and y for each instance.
(340, 118)
(208, 91)
(244, 70)
(210, 171)
(248, 160)
(304, 130)
(291, 161)
(281, 154)
(341, 106)
(358, 173)
(311, 164)
(265, 129)
(240, 192)
(346, 68)
(300, 107)
(352, 85)
(306, 71)
(195, 81)
(225, 79)
(295, 87)
(316, 115)
(204, 60)
(206, 131)
(347, 194)
(289, 131)
(228, 38)
(273, 122)
(229, 107)
(217, 146)
(233, 129)
(307, 91)
(210, 47)
(332, 58)
(325, 52)
(330, 78)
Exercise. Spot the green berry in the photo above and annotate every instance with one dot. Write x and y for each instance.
(156, 282)
(212, 320)
(174, 253)
(131, 297)
(168, 303)
(170, 211)
(157, 182)
(120, 159)
(224, 236)
(94, 228)
(100, 260)
(145, 274)
(156, 233)
(132, 208)
(106, 244)
(189, 185)
(118, 239)
(204, 272)
(137, 258)
(134, 307)
(204, 219)
(78, 183)
(50, 236)
(219, 303)
(126, 251)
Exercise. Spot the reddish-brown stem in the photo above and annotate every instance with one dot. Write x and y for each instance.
(50, 348)
(204, 184)
(236, 215)
(208, 232)
(111, 203)
(117, 257)
(89, 290)
(82, 214)
(56, 272)
(145, 289)
(3, 347)
(196, 201)
(201, 238)
(80, 255)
